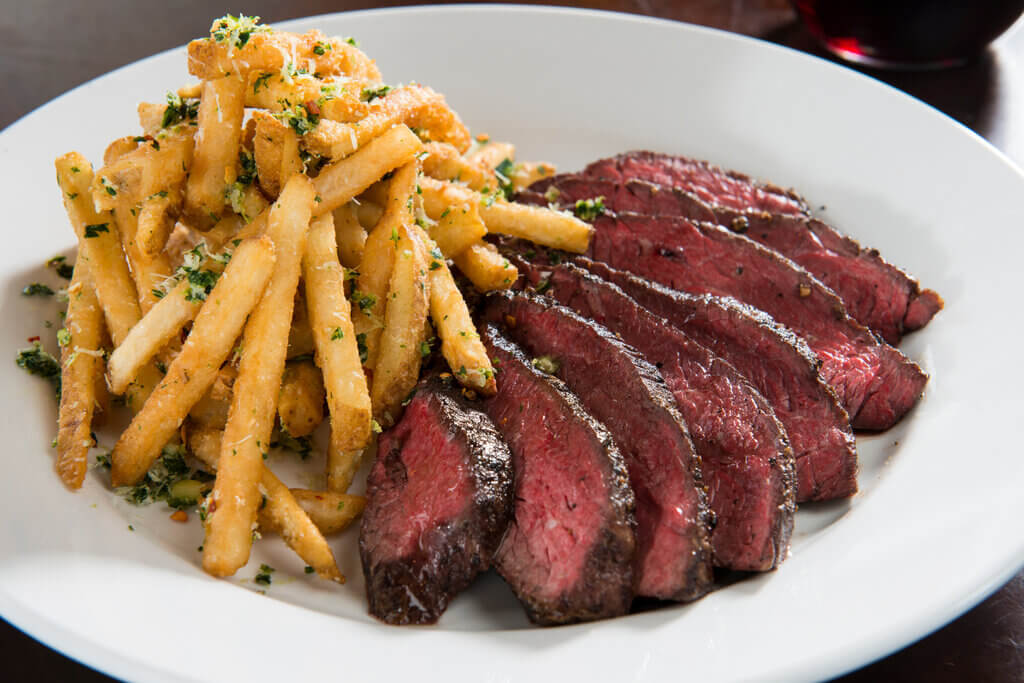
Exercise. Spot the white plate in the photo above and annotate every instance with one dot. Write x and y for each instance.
(938, 524)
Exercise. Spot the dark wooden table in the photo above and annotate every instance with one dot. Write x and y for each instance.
(49, 46)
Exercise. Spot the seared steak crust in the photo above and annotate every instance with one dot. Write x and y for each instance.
(568, 553)
(439, 498)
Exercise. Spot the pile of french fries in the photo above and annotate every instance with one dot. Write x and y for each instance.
(277, 240)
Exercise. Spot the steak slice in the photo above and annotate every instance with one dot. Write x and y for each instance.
(568, 553)
(439, 498)
(876, 293)
(746, 458)
(617, 386)
(777, 362)
(714, 186)
(875, 383)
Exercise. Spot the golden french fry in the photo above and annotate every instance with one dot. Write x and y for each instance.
(368, 214)
(300, 405)
(156, 220)
(156, 165)
(300, 338)
(456, 228)
(81, 363)
(349, 236)
(330, 511)
(445, 162)
(276, 151)
(211, 411)
(281, 512)
(118, 148)
(99, 246)
(538, 224)
(213, 335)
(336, 99)
(279, 53)
(491, 153)
(214, 161)
(342, 180)
(400, 354)
(526, 173)
(368, 297)
(485, 267)
(337, 354)
(254, 400)
(148, 270)
(460, 344)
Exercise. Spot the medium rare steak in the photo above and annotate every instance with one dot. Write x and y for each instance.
(875, 383)
(777, 362)
(713, 185)
(569, 550)
(617, 386)
(746, 459)
(439, 498)
(876, 293)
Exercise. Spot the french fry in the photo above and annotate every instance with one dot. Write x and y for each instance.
(211, 411)
(254, 400)
(156, 165)
(400, 355)
(491, 153)
(526, 173)
(277, 52)
(156, 220)
(300, 337)
(214, 161)
(460, 344)
(337, 354)
(81, 364)
(369, 295)
(336, 99)
(349, 236)
(148, 270)
(276, 150)
(300, 404)
(457, 228)
(99, 246)
(213, 335)
(118, 148)
(487, 269)
(281, 512)
(537, 224)
(368, 214)
(330, 511)
(444, 162)
(342, 180)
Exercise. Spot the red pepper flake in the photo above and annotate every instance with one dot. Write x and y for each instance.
(34, 339)
(312, 107)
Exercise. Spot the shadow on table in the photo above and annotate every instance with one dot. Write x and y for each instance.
(966, 93)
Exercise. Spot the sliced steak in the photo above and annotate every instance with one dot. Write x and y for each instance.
(875, 383)
(568, 553)
(439, 498)
(714, 186)
(876, 293)
(747, 462)
(777, 362)
(625, 392)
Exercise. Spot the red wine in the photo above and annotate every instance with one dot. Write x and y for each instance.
(908, 32)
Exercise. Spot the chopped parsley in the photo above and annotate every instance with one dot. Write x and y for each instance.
(171, 480)
(200, 284)
(63, 336)
(589, 209)
(337, 334)
(95, 229)
(320, 48)
(504, 171)
(296, 444)
(263, 577)
(37, 289)
(178, 110)
(261, 81)
(41, 364)
(543, 286)
(352, 41)
(364, 352)
(370, 94)
(552, 194)
(425, 348)
(61, 265)
(247, 164)
(236, 31)
(308, 569)
(299, 118)
(365, 302)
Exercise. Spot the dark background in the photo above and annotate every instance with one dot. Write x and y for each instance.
(49, 46)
